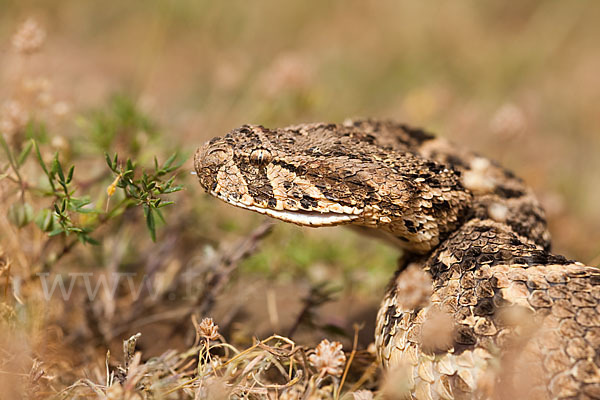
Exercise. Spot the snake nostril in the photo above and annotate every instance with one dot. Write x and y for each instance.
(209, 159)
(212, 156)
(216, 152)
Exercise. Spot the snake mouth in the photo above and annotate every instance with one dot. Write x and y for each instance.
(298, 217)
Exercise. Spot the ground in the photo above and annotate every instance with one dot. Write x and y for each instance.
(517, 83)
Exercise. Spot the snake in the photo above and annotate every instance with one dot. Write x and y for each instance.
(498, 314)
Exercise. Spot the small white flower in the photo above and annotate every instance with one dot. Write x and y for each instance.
(13, 117)
(29, 38)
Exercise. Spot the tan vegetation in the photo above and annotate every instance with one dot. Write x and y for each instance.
(147, 79)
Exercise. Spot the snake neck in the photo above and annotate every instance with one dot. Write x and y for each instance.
(482, 244)
(498, 196)
(400, 181)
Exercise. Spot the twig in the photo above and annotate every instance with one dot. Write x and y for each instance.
(229, 262)
(318, 295)
(595, 261)
(357, 328)
(367, 374)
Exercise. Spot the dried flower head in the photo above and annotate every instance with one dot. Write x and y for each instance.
(293, 393)
(117, 392)
(29, 38)
(288, 72)
(398, 382)
(413, 287)
(4, 261)
(437, 332)
(520, 319)
(61, 109)
(213, 387)
(328, 358)
(363, 395)
(13, 117)
(208, 330)
(508, 121)
(480, 176)
(7, 314)
(38, 88)
(498, 212)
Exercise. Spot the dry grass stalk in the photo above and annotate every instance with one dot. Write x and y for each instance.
(227, 264)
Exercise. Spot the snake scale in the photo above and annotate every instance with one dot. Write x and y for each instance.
(517, 320)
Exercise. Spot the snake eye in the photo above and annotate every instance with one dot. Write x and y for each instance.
(260, 157)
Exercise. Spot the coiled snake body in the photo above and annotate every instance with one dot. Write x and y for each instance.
(505, 317)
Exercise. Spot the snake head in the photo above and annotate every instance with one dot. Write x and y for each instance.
(271, 172)
(326, 174)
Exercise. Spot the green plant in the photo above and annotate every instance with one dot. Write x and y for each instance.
(144, 189)
(70, 211)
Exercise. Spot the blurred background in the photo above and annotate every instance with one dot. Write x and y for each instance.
(518, 82)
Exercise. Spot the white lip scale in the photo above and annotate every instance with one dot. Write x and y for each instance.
(297, 217)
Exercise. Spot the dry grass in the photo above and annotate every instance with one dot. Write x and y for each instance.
(275, 367)
(517, 83)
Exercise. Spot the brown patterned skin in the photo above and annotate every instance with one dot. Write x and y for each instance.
(518, 321)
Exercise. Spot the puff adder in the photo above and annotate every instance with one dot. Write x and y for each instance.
(520, 321)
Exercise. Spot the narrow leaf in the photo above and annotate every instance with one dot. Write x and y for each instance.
(90, 240)
(172, 189)
(150, 222)
(108, 161)
(57, 168)
(160, 215)
(70, 174)
(9, 154)
(40, 159)
(25, 153)
(167, 164)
